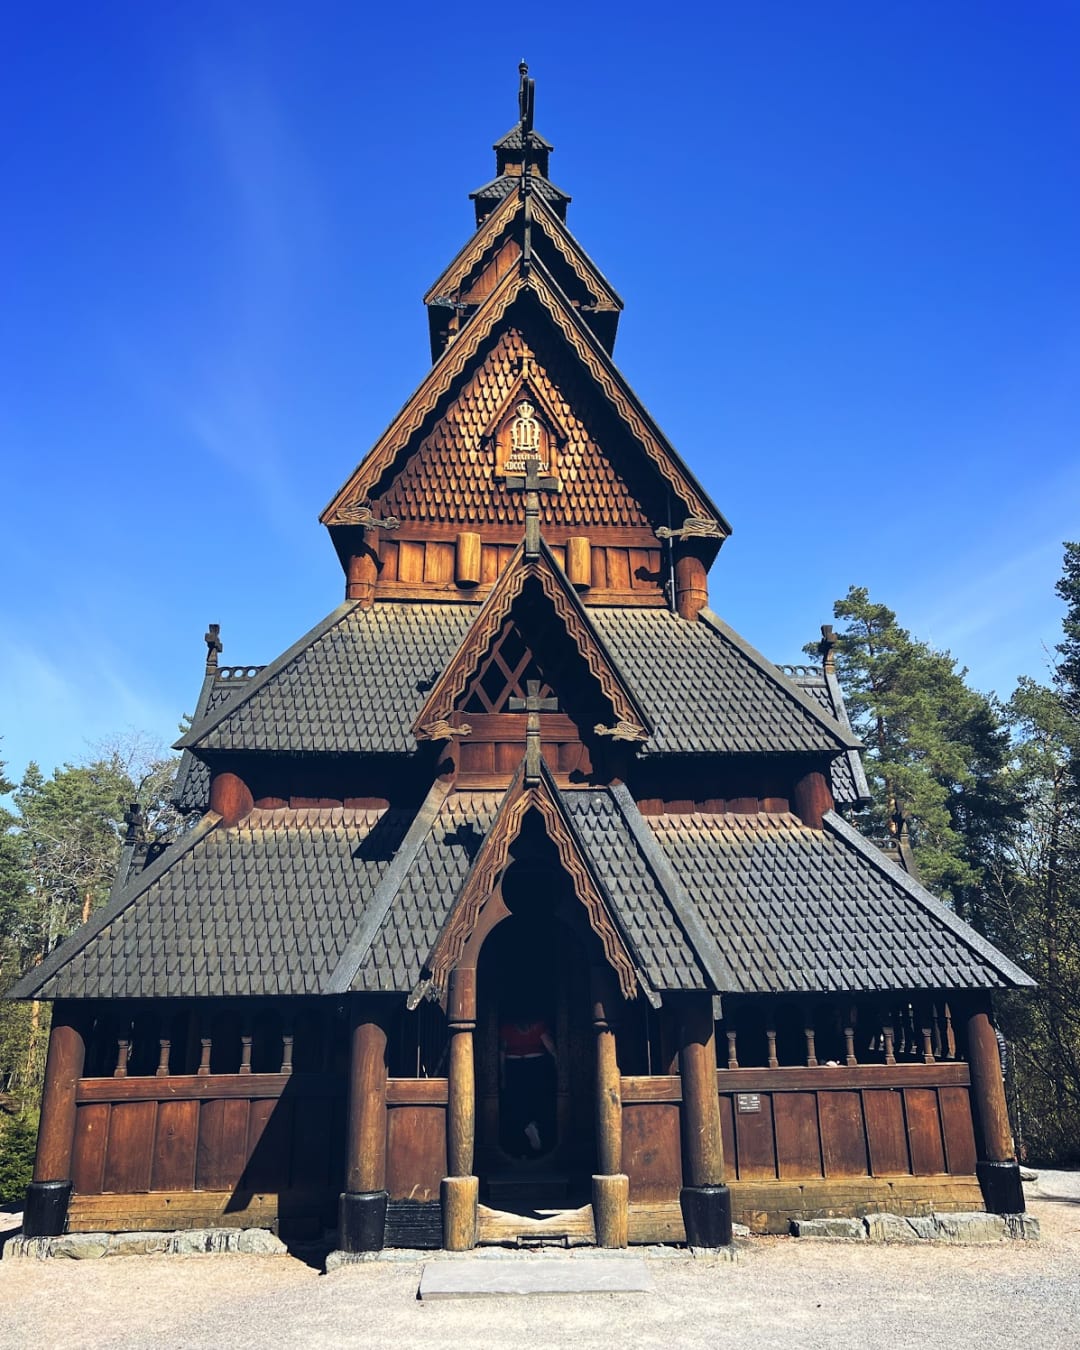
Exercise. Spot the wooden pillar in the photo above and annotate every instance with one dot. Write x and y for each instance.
(610, 1186)
(362, 573)
(230, 797)
(811, 798)
(997, 1168)
(460, 1189)
(362, 1206)
(48, 1194)
(691, 584)
(705, 1199)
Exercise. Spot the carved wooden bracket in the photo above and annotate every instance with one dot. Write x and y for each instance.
(360, 513)
(622, 731)
(693, 527)
(441, 730)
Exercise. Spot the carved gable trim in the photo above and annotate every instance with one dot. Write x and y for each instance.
(461, 353)
(451, 685)
(486, 873)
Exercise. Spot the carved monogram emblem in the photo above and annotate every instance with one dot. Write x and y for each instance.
(524, 440)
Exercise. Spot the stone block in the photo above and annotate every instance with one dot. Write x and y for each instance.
(969, 1229)
(260, 1242)
(889, 1228)
(1025, 1227)
(80, 1246)
(138, 1244)
(851, 1230)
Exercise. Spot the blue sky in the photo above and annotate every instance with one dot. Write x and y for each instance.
(846, 235)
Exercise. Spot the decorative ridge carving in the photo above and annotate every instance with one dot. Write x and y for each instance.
(486, 875)
(622, 731)
(693, 527)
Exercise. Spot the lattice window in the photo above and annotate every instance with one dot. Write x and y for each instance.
(504, 673)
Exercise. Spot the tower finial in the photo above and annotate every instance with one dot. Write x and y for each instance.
(526, 96)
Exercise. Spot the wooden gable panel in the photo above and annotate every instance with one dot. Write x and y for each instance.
(449, 480)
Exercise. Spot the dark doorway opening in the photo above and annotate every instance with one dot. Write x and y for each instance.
(535, 1146)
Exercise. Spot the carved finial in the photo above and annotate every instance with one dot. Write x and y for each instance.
(361, 513)
(526, 98)
(212, 638)
(622, 731)
(693, 527)
(135, 822)
(441, 730)
(827, 648)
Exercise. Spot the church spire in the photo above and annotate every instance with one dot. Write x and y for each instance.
(522, 154)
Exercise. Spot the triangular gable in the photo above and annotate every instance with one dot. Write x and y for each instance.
(490, 862)
(431, 723)
(484, 244)
(538, 284)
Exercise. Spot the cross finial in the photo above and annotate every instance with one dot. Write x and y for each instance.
(212, 638)
(534, 705)
(532, 483)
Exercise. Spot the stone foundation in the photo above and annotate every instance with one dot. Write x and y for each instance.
(189, 1242)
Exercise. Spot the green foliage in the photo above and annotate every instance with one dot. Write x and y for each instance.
(18, 1138)
(59, 852)
(937, 750)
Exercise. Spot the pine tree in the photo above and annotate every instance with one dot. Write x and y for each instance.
(937, 751)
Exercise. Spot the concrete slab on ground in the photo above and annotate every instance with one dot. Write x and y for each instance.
(485, 1278)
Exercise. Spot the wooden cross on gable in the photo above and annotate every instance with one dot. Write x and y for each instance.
(534, 705)
(532, 483)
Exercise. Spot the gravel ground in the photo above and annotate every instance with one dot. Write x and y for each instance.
(782, 1292)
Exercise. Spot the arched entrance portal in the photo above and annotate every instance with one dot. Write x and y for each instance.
(535, 1147)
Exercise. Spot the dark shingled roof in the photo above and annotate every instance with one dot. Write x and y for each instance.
(191, 791)
(502, 186)
(357, 681)
(514, 140)
(708, 691)
(656, 939)
(265, 907)
(426, 893)
(801, 910)
(849, 785)
(354, 684)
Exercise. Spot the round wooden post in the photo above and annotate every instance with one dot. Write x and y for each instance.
(460, 1189)
(691, 584)
(467, 559)
(610, 1186)
(705, 1199)
(362, 573)
(811, 798)
(48, 1194)
(997, 1168)
(362, 1206)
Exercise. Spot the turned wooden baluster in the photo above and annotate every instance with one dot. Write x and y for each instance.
(286, 1052)
(123, 1051)
(164, 1049)
(206, 1044)
(732, 1057)
(245, 1054)
(887, 1037)
(849, 1046)
(936, 1021)
(927, 1042)
(811, 1045)
(770, 1036)
(950, 1034)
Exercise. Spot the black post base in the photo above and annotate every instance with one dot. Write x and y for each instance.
(362, 1221)
(706, 1212)
(1003, 1191)
(45, 1212)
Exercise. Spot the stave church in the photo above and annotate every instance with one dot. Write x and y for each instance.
(520, 901)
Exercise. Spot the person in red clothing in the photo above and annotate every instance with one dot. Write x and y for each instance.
(527, 1082)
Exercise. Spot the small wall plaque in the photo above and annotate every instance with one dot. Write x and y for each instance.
(748, 1101)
